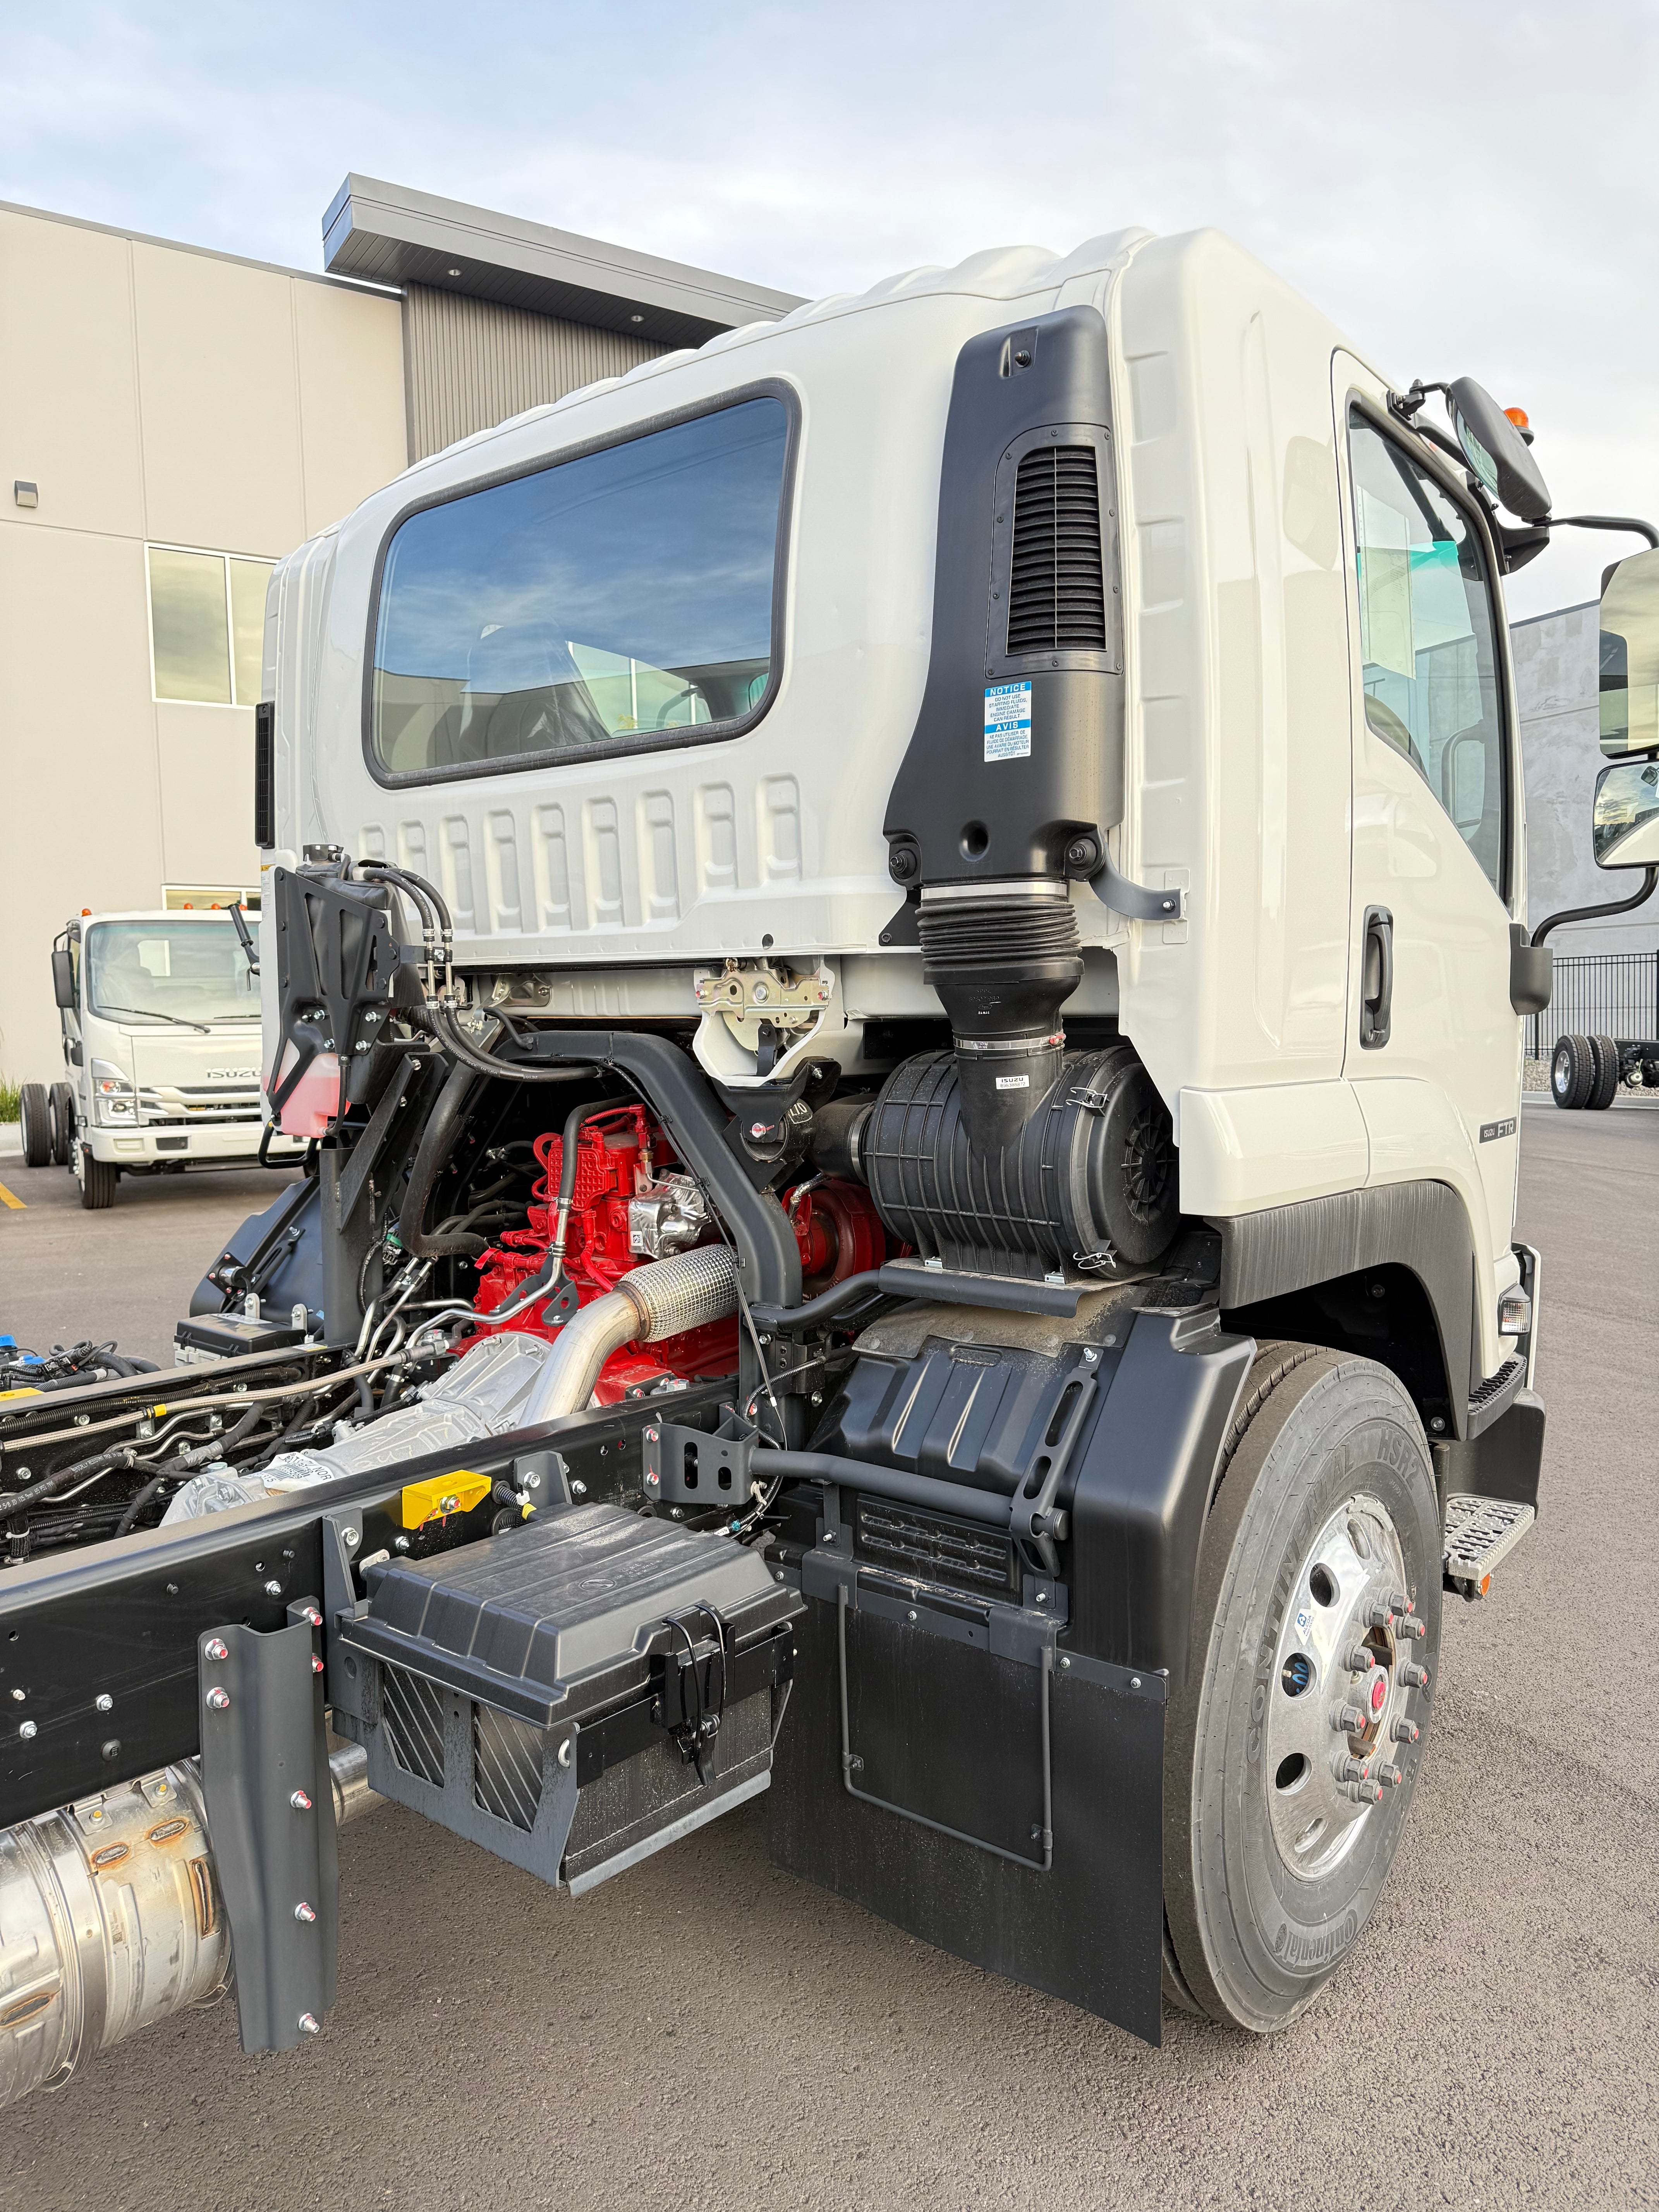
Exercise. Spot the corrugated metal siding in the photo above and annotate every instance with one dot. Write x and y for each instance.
(471, 363)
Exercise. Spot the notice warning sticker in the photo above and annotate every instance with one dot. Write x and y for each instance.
(1007, 721)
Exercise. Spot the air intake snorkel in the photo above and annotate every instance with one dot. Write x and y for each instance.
(1014, 773)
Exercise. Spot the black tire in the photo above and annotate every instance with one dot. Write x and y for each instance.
(97, 1180)
(1325, 1449)
(60, 1114)
(1651, 1074)
(37, 1126)
(1604, 1053)
(1573, 1070)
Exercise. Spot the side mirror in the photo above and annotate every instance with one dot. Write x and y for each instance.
(1625, 827)
(63, 979)
(1630, 656)
(1497, 452)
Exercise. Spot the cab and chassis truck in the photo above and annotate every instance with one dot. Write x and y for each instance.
(896, 944)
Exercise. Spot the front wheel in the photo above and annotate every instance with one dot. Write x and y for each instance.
(98, 1179)
(1293, 1749)
(60, 1117)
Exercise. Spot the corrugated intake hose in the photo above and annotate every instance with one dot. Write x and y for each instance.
(110, 1919)
(665, 1298)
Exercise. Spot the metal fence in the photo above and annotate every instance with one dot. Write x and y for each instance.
(1612, 994)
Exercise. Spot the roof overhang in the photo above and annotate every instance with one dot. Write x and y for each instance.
(388, 234)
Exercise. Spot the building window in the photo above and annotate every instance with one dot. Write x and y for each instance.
(207, 621)
(621, 599)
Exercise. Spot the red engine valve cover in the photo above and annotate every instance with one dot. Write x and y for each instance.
(616, 1152)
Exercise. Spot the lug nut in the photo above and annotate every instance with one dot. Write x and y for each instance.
(217, 1648)
(302, 1911)
(300, 1802)
(218, 1699)
(1401, 1604)
(1361, 1659)
(1413, 1627)
(1389, 1776)
(1349, 1770)
(1349, 1721)
(1405, 1731)
(1363, 1792)
(1413, 1678)
(308, 2024)
(1380, 1616)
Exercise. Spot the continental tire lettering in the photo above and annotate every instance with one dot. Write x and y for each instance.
(1321, 1946)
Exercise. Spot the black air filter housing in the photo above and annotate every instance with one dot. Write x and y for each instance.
(1088, 1184)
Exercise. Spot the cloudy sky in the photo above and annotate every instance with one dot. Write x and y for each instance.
(1467, 188)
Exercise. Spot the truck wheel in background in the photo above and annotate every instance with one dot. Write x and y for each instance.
(60, 1116)
(37, 1126)
(98, 1179)
(1604, 1053)
(1573, 1070)
(1289, 1761)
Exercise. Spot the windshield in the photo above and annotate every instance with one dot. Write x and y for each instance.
(170, 972)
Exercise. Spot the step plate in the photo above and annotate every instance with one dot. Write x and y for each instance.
(1479, 1533)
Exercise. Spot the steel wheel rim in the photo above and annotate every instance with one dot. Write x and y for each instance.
(1323, 1777)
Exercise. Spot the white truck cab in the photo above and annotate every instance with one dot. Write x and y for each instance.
(160, 1020)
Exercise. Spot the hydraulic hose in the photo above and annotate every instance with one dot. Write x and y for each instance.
(438, 1140)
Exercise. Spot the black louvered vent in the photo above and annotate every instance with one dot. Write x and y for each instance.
(1056, 588)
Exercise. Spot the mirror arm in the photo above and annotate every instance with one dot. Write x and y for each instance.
(1605, 522)
(1650, 878)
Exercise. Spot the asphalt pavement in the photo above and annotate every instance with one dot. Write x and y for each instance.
(706, 2032)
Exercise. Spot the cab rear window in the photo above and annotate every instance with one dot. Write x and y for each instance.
(620, 600)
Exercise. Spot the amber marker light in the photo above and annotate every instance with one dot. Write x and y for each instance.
(1518, 416)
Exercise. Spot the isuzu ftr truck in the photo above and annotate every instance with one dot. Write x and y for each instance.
(897, 947)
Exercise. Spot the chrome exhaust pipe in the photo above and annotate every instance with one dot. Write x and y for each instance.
(665, 1298)
(110, 1918)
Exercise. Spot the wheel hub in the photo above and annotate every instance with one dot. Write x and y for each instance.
(1335, 1697)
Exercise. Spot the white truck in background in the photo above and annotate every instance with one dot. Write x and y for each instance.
(160, 1020)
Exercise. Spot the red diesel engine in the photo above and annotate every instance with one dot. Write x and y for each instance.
(632, 1203)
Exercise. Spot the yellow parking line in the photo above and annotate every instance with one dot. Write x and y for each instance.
(6, 1198)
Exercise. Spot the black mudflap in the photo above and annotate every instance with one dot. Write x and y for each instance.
(916, 1775)
(574, 1694)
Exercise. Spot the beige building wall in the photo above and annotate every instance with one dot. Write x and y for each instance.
(156, 395)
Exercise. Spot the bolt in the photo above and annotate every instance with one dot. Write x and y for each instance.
(273, 1589)
(532, 1482)
(912, 1612)
(1360, 1660)
(27, 1731)
(113, 1748)
(1134, 1681)
(1405, 1731)
(447, 1504)
(81, 1420)
(304, 1912)
(104, 1702)
(217, 1648)
(903, 863)
(1064, 1661)
(300, 1802)
(578, 1489)
(351, 1538)
(400, 1543)
(310, 1613)
(1389, 1776)
(18, 1696)
(1380, 1616)
(309, 2025)
(218, 1699)
(1349, 1721)
(316, 1664)
(1437, 1425)
(1413, 1678)
(1042, 1597)
(1414, 1629)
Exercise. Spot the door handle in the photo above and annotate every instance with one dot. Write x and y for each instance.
(1376, 984)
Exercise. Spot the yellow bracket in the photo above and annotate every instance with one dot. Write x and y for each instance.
(441, 1495)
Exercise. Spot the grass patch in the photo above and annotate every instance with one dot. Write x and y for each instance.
(11, 1098)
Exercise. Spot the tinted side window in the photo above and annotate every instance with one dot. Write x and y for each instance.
(591, 605)
(1426, 630)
